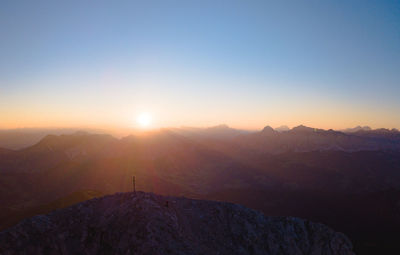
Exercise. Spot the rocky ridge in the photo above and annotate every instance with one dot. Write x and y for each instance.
(145, 223)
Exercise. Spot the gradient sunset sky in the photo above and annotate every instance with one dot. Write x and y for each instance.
(326, 64)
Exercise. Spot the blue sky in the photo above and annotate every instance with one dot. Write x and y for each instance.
(244, 63)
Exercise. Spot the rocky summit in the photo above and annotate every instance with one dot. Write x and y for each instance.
(145, 223)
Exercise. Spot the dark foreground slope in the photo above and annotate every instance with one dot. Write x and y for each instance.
(16, 216)
(145, 223)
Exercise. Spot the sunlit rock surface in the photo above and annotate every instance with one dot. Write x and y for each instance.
(144, 223)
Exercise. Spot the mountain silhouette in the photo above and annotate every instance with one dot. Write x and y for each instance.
(356, 129)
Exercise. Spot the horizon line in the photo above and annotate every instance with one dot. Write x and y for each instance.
(120, 128)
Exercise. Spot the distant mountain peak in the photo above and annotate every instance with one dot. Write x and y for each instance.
(50, 142)
(357, 129)
(268, 129)
(303, 128)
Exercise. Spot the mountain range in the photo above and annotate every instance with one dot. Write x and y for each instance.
(16, 139)
(349, 181)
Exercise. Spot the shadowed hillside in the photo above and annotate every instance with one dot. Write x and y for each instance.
(76, 197)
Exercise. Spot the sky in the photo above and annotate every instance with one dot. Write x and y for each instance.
(248, 64)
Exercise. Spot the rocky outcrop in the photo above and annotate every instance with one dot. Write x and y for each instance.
(144, 223)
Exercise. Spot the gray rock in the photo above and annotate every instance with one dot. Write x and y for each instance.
(146, 223)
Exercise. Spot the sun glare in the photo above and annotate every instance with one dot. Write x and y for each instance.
(144, 120)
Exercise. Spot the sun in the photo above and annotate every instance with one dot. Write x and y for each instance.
(144, 120)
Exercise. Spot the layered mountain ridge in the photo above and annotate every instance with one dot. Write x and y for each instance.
(281, 173)
(23, 138)
(305, 139)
